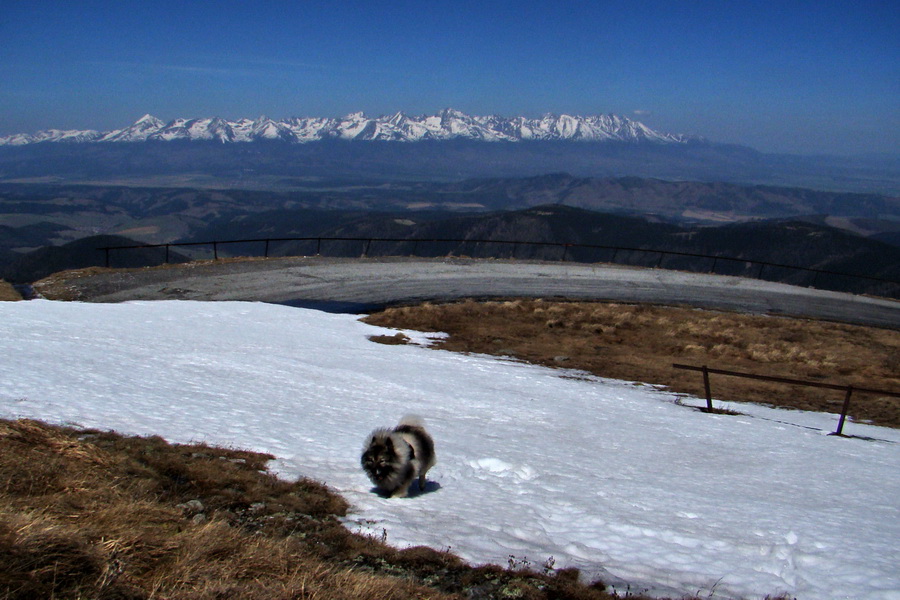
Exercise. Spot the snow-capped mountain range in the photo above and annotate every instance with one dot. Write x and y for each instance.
(448, 124)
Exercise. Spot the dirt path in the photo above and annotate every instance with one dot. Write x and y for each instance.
(365, 284)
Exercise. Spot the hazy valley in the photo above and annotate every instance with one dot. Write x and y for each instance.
(557, 179)
(47, 228)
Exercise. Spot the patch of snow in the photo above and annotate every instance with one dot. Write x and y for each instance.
(619, 479)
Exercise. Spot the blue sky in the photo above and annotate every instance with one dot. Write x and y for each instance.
(786, 76)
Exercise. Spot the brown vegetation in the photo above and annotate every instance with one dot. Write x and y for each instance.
(8, 293)
(68, 285)
(90, 514)
(641, 342)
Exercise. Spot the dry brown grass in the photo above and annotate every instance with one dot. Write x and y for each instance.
(398, 339)
(90, 514)
(63, 285)
(641, 342)
(8, 293)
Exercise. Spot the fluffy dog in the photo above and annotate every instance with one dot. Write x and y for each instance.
(393, 458)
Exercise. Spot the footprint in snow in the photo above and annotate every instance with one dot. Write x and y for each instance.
(495, 466)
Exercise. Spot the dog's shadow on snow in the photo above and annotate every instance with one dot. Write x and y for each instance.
(414, 491)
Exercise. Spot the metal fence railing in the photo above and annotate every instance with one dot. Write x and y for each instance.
(847, 389)
(670, 259)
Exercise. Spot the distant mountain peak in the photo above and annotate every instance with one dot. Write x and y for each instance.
(449, 123)
(149, 119)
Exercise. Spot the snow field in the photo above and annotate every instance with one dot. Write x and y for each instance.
(615, 478)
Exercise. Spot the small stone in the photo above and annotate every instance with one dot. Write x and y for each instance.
(193, 506)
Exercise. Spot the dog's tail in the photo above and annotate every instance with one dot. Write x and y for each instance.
(412, 421)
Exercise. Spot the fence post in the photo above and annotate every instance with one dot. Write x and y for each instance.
(815, 277)
(707, 389)
(663, 254)
(844, 409)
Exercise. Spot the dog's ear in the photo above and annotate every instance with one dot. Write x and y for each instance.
(390, 445)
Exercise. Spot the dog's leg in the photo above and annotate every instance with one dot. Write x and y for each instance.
(422, 476)
(403, 490)
(408, 476)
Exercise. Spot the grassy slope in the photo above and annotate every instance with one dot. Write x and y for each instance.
(8, 293)
(90, 514)
(640, 343)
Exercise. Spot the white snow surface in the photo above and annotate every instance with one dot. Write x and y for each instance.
(619, 479)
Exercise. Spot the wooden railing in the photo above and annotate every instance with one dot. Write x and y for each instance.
(847, 389)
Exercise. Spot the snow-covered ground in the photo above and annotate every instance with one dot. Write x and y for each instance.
(612, 477)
